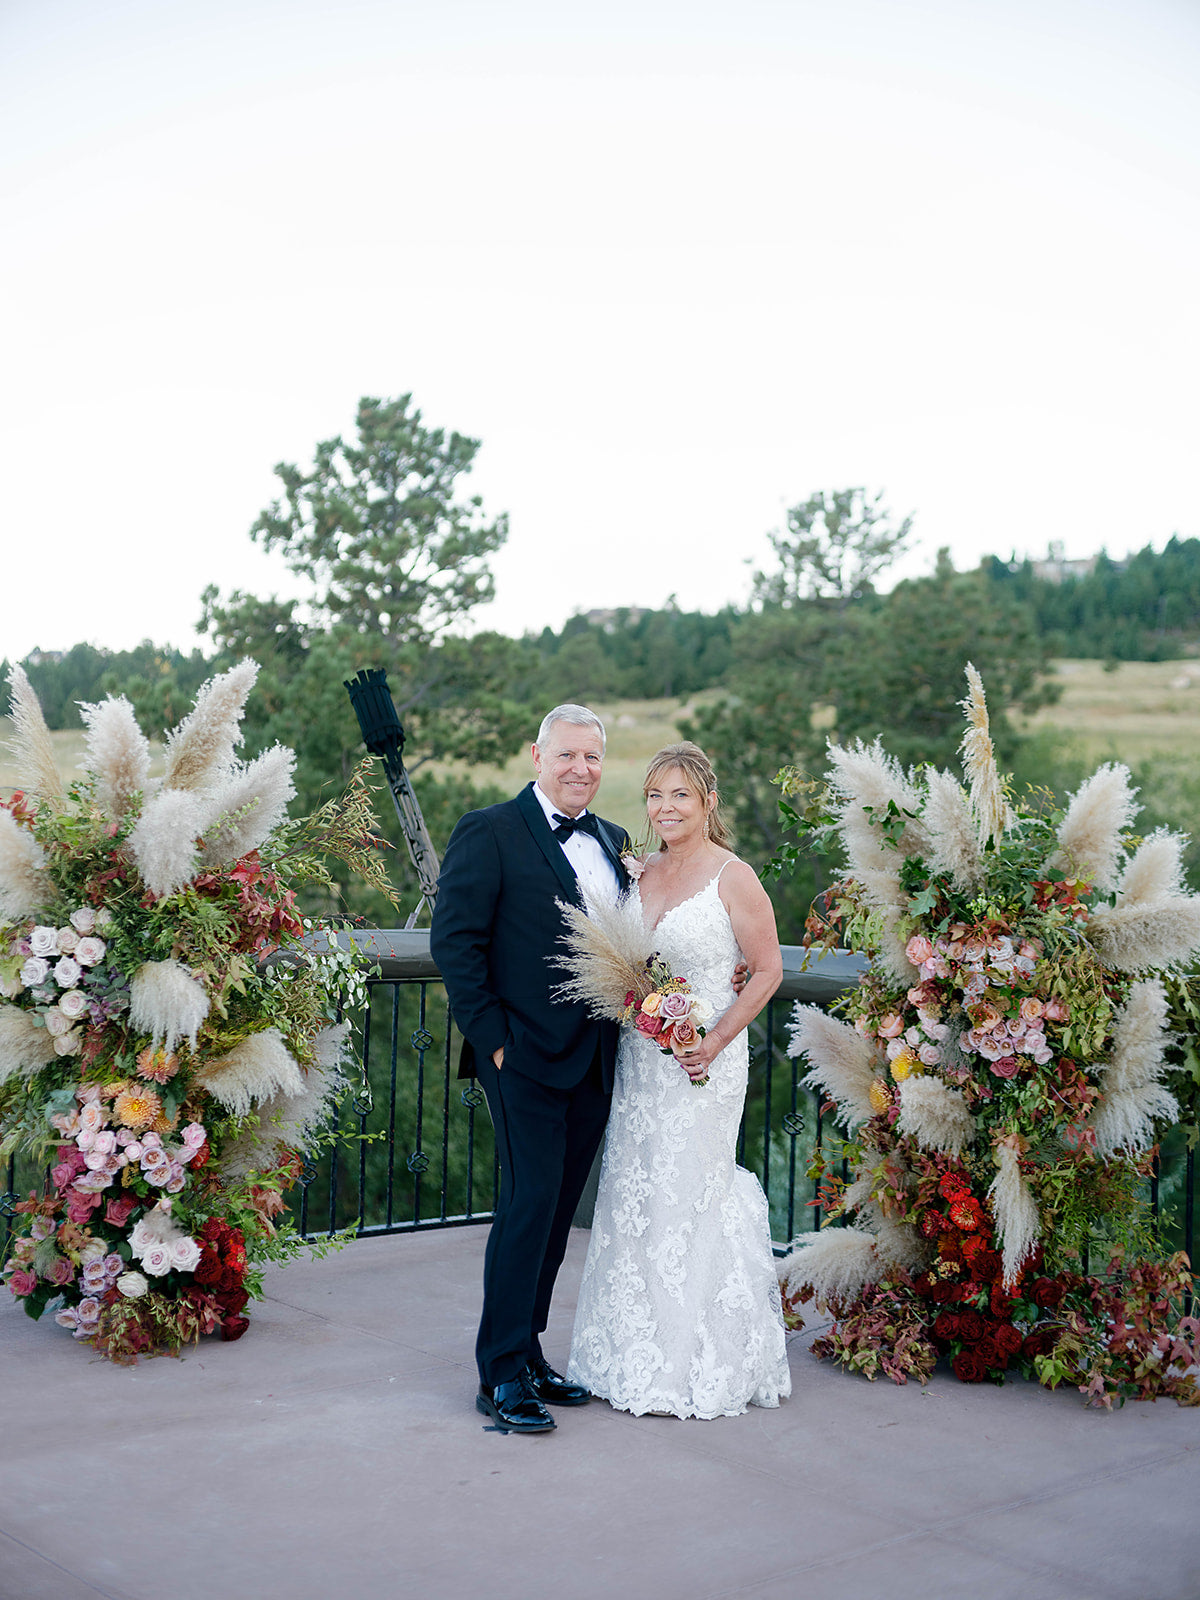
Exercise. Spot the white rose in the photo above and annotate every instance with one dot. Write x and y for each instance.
(73, 1004)
(185, 1254)
(43, 942)
(67, 940)
(90, 952)
(67, 1044)
(157, 1260)
(10, 988)
(83, 920)
(93, 1250)
(702, 1012)
(56, 1023)
(104, 918)
(67, 972)
(132, 1285)
(36, 970)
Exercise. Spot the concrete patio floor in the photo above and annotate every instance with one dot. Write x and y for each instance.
(335, 1451)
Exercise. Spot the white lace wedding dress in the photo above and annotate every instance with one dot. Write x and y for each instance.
(679, 1308)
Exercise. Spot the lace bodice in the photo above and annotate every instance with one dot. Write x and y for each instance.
(679, 1304)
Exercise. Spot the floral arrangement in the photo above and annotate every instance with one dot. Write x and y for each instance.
(169, 1045)
(620, 976)
(999, 1075)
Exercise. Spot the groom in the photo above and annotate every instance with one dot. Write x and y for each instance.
(544, 1064)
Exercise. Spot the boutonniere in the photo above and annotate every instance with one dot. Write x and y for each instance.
(633, 866)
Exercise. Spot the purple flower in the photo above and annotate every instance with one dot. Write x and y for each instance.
(675, 1007)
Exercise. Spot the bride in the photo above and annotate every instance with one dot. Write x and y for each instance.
(679, 1309)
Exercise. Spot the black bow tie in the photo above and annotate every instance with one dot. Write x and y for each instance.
(564, 827)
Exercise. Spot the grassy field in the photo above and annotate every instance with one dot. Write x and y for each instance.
(1142, 708)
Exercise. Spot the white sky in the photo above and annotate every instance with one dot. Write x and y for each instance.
(677, 265)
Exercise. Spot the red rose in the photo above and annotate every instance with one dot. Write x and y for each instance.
(939, 1292)
(650, 1026)
(1009, 1339)
(990, 1266)
(970, 1326)
(1046, 1292)
(1001, 1301)
(116, 1212)
(208, 1269)
(1039, 1343)
(968, 1368)
(234, 1300)
(947, 1325)
(989, 1352)
(234, 1327)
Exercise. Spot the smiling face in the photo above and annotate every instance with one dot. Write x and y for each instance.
(676, 810)
(568, 766)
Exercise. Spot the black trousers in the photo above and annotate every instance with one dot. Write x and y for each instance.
(546, 1139)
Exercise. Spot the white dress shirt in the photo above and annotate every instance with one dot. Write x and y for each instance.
(585, 855)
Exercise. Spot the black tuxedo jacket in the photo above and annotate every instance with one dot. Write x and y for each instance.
(496, 931)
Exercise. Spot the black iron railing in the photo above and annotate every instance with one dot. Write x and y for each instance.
(413, 1145)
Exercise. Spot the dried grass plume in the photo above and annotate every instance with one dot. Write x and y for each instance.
(118, 755)
(605, 951)
(256, 1069)
(935, 1114)
(841, 1061)
(164, 840)
(200, 751)
(25, 884)
(837, 1264)
(249, 806)
(992, 814)
(31, 747)
(956, 850)
(24, 1046)
(167, 1003)
(1015, 1212)
(1089, 836)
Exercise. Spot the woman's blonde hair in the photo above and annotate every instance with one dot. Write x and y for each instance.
(699, 777)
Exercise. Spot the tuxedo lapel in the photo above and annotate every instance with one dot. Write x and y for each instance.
(612, 842)
(535, 820)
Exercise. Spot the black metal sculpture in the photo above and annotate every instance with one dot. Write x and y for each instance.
(383, 735)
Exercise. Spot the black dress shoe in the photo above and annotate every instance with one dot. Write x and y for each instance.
(550, 1388)
(513, 1407)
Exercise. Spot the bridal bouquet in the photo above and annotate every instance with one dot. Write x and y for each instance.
(617, 973)
(1000, 1076)
(169, 1048)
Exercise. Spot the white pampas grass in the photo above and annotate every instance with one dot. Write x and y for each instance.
(935, 1114)
(1089, 836)
(837, 1264)
(898, 1244)
(256, 1069)
(166, 1002)
(606, 949)
(24, 882)
(842, 1062)
(1015, 1212)
(952, 831)
(249, 806)
(1155, 922)
(866, 776)
(31, 747)
(893, 955)
(24, 1047)
(201, 749)
(164, 839)
(1131, 1096)
(285, 1122)
(118, 755)
(992, 814)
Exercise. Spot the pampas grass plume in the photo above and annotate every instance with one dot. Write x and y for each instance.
(286, 1121)
(1154, 933)
(1139, 1039)
(167, 1003)
(842, 1062)
(992, 815)
(865, 775)
(164, 839)
(256, 1069)
(118, 756)
(1089, 836)
(200, 751)
(1155, 870)
(249, 806)
(1125, 1120)
(935, 1114)
(955, 840)
(605, 951)
(24, 883)
(1015, 1212)
(837, 1264)
(898, 1244)
(24, 1047)
(31, 746)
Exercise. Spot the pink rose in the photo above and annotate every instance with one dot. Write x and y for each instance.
(919, 949)
(157, 1259)
(91, 1118)
(684, 1036)
(675, 1007)
(83, 920)
(61, 1175)
(61, 1272)
(989, 1047)
(930, 1055)
(633, 866)
(194, 1135)
(67, 940)
(73, 1004)
(116, 1212)
(185, 1254)
(88, 1312)
(891, 1026)
(1055, 1010)
(79, 1207)
(68, 1317)
(67, 1043)
(650, 1026)
(90, 952)
(1006, 1067)
(1031, 1008)
(22, 1282)
(57, 1024)
(88, 1094)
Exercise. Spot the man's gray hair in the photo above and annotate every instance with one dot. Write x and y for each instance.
(577, 716)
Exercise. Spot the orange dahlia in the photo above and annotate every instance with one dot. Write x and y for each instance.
(136, 1107)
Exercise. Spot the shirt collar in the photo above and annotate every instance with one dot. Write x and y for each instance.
(548, 807)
